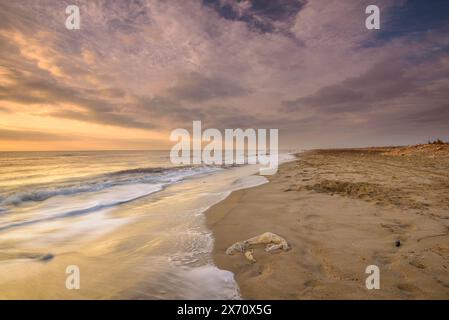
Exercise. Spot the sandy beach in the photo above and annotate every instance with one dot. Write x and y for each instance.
(340, 211)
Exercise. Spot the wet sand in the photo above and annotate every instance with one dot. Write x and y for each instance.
(342, 210)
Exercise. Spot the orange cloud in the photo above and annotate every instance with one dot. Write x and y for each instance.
(36, 49)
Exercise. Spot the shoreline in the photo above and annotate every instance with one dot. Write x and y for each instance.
(341, 211)
(128, 251)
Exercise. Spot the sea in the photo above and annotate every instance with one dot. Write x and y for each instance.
(131, 221)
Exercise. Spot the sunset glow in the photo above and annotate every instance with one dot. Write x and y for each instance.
(137, 70)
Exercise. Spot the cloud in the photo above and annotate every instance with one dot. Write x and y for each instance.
(265, 16)
(293, 65)
(196, 87)
(31, 135)
(31, 90)
(36, 50)
(385, 85)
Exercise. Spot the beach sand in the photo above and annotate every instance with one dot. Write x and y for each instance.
(342, 210)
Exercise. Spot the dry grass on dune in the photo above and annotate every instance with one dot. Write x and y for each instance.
(433, 149)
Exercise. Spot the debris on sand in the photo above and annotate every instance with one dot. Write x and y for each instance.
(249, 256)
(273, 242)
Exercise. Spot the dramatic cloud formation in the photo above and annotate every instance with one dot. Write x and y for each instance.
(138, 69)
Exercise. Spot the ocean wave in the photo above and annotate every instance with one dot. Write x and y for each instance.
(149, 170)
(164, 176)
(88, 204)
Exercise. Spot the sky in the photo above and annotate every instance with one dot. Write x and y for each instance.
(136, 70)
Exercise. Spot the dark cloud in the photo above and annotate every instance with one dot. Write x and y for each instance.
(265, 16)
(386, 86)
(160, 107)
(196, 87)
(378, 83)
(433, 116)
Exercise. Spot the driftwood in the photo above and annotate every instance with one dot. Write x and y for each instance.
(273, 242)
